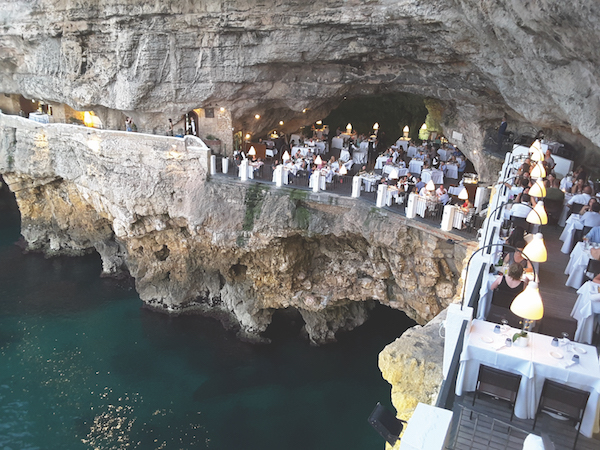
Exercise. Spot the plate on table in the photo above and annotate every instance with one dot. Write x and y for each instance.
(581, 350)
(556, 355)
(487, 339)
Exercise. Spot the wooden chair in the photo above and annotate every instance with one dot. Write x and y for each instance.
(593, 268)
(499, 384)
(563, 400)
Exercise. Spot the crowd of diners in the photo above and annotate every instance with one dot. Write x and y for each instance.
(301, 164)
(574, 192)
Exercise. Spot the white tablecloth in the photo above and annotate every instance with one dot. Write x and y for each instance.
(412, 151)
(573, 223)
(380, 161)
(270, 152)
(586, 306)
(337, 142)
(369, 181)
(41, 118)
(344, 155)
(534, 363)
(402, 143)
(452, 171)
(444, 154)
(415, 166)
(455, 190)
(359, 156)
(578, 261)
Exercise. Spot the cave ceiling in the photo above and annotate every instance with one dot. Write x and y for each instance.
(535, 59)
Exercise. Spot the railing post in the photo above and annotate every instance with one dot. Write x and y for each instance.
(244, 170)
(315, 179)
(381, 194)
(356, 185)
(213, 164)
(225, 165)
(411, 206)
(447, 218)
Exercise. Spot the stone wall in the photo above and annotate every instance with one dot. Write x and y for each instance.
(236, 250)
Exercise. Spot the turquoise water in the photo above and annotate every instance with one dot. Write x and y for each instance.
(85, 366)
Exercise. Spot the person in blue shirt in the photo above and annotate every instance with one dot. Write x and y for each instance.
(420, 184)
(593, 235)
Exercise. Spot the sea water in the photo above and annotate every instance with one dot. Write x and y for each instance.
(85, 366)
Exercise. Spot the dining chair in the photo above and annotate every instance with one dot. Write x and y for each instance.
(386, 424)
(593, 268)
(498, 384)
(563, 400)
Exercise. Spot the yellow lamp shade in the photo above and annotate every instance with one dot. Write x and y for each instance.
(286, 156)
(349, 128)
(538, 189)
(252, 151)
(430, 185)
(463, 195)
(536, 250)
(538, 171)
(376, 126)
(528, 304)
(318, 161)
(343, 170)
(537, 215)
(406, 129)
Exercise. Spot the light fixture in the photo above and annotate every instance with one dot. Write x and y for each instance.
(430, 186)
(286, 156)
(349, 128)
(248, 136)
(252, 151)
(405, 131)
(376, 126)
(528, 304)
(538, 171)
(537, 215)
(318, 161)
(319, 122)
(463, 195)
(424, 126)
(536, 250)
(343, 170)
(304, 110)
(281, 122)
(257, 116)
(222, 109)
(536, 151)
(538, 189)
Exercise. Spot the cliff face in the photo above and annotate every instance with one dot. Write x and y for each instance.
(218, 246)
(154, 60)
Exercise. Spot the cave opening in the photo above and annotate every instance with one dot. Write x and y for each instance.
(286, 324)
(384, 324)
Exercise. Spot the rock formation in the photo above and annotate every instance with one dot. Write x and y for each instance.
(236, 250)
(153, 60)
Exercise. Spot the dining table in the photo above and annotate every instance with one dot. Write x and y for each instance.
(586, 311)
(360, 156)
(572, 224)
(444, 154)
(369, 181)
(578, 261)
(380, 161)
(452, 171)
(415, 166)
(337, 142)
(412, 151)
(537, 361)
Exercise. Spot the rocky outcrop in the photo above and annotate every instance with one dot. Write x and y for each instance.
(236, 250)
(412, 364)
(534, 60)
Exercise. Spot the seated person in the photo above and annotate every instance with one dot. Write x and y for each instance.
(582, 198)
(517, 257)
(420, 184)
(593, 235)
(587, 207)
(507, 287)
(442, 195)
(521, 209)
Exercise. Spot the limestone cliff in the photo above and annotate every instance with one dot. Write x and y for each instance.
(239, 251)
(536, 60)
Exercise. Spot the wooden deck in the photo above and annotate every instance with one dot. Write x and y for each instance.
(489, 427)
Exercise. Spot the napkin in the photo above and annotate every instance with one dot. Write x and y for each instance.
(569, 364)
(499, 347)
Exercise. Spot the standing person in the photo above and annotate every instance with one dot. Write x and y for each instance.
(128, 124)
(501, 132)
(170, 130)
